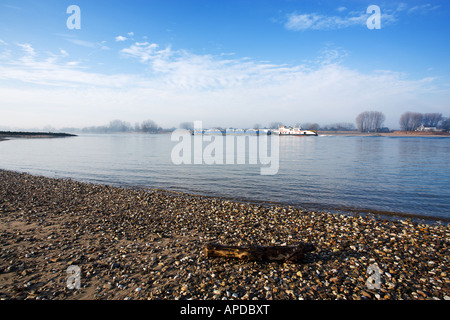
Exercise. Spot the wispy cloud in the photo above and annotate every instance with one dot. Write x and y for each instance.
(168, 68)
(313, 21)
(300, 21)
(53, 69)
(82, 43)
(176, 85)
(28, 48)
(121, 38)
(12, 7)
(423, 9)
(145, 51)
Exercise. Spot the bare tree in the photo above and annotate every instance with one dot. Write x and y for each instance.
(431, 119)
(149, 126)
(370, 121)
(119, 126)
(410, 121)
(362, 121)
(445, 124)
(416, 120)
(405, 121)
(378, 120)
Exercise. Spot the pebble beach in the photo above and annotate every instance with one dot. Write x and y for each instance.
(135, 244)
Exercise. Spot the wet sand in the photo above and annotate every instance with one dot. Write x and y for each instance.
(148, 244)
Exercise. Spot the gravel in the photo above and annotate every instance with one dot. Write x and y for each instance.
(148, 244)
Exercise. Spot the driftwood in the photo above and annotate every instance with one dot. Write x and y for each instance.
(293, 253)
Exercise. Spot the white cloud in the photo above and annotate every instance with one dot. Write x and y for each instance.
(82, 43)
(145, 51)
(6, 54)
(121, 38)
(53, 71)
(102, 45)
(220, 90)
(401, 7)
(28, 48)
(314, 21)
(423, 9)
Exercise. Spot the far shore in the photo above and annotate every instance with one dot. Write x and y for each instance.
(7, 135)
(386, 134)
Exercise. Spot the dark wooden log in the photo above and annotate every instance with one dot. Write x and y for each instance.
(290, 254)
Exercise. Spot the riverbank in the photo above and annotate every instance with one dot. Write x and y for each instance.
(137, 244)
(6, 135)
(387, 134)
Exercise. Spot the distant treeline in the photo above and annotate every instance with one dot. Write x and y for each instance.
(119, 126)
(412, 121)
(373, 121)
(367, 121)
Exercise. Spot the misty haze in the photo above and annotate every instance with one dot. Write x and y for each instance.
(224, 151)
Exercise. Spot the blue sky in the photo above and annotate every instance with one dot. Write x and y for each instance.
(227, 63)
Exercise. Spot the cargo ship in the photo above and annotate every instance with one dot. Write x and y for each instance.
(293, 131)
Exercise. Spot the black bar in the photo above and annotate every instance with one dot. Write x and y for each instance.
(222, 309)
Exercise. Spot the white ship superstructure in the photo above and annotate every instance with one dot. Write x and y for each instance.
(293, 131)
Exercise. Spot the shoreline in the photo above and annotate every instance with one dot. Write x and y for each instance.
(148, 244)
(386, 134)
(8, 135)
(373, 213)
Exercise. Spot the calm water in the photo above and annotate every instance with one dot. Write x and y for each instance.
(408, 175)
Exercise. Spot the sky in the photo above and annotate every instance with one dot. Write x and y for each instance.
(228, 63)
